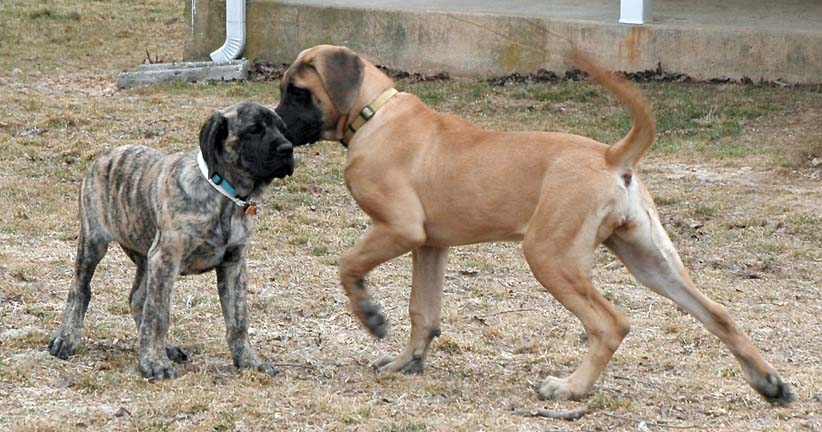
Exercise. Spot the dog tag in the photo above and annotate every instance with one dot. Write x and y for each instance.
(251, 208)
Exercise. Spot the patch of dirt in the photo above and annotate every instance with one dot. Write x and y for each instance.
(645, 76)
(89, 86)
(502, 332)
(263, 71)
(413, 77)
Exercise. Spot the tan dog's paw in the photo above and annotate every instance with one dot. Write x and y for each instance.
(372, 318)
(774, 390)
(558, 388)
(414, 365)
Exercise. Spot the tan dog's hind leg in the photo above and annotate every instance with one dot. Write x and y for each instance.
(561, 261)
(648, 253)
(382, 243)
(424, 308)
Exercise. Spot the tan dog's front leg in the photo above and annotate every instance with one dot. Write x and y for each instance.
(424, 309)
(382, 243)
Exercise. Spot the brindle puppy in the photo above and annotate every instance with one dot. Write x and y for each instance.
(170, 219)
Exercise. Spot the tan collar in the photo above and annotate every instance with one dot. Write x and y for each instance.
(366, 113)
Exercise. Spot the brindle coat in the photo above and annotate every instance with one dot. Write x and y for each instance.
(169, 220)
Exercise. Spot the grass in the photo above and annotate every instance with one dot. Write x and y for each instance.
(732, 173)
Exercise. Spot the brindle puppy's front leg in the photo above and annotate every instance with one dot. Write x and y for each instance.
(163, 266)
(231, 284)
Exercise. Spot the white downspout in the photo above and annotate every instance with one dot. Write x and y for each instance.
(234, 32)
(635, 11)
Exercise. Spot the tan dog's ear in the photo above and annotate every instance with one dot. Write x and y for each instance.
(341, 71)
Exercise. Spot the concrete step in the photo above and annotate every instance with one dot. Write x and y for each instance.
(186, 71)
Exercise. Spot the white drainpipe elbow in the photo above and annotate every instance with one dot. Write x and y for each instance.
(234, 32)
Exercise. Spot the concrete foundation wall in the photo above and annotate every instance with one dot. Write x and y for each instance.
(485, 44)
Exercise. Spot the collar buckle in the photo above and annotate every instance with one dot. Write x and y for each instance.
(225, 188)
(366, 114)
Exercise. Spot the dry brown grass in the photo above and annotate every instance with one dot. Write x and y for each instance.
(745, 218)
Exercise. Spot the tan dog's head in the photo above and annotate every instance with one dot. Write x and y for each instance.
(319, 91)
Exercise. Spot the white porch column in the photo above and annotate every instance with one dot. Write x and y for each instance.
(635, 11)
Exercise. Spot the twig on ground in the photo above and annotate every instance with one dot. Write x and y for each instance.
(293, 365)
(560, 415)
(505, 312)
(653, 423)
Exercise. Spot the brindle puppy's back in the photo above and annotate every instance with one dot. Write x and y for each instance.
(123, 178)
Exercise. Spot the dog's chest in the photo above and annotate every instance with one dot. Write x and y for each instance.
(222, 241)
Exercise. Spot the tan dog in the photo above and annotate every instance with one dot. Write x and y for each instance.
(430, 180)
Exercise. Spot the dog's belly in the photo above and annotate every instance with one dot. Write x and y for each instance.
(459, 216)
(455, 234)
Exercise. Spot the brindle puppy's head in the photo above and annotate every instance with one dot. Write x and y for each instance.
(318, 91)
(244, 144)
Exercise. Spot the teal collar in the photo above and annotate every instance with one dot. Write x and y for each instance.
(225, 187)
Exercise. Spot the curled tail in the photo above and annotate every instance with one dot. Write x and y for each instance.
(627, 152)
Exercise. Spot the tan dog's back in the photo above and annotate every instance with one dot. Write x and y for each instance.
(504, 168)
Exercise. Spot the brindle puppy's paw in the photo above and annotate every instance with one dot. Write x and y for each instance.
(61, 348)
(157, 370)
(249, 360)
(176, 354)
(775, 391)
(267, 368)
(373, 319)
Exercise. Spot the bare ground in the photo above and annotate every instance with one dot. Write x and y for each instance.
(744, 208)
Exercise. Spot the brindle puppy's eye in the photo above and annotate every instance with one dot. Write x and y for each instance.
(255, 130)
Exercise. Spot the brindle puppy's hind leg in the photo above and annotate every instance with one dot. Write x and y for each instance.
(231, 284)
(424, 308)
(92, 244)
(137, 298)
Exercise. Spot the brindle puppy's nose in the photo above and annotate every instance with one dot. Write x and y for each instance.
(285, 149)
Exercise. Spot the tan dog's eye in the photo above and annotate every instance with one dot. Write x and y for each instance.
(299, 94)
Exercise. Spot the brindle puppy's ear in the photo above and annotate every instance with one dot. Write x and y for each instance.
(341, 71)
(212, 143)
